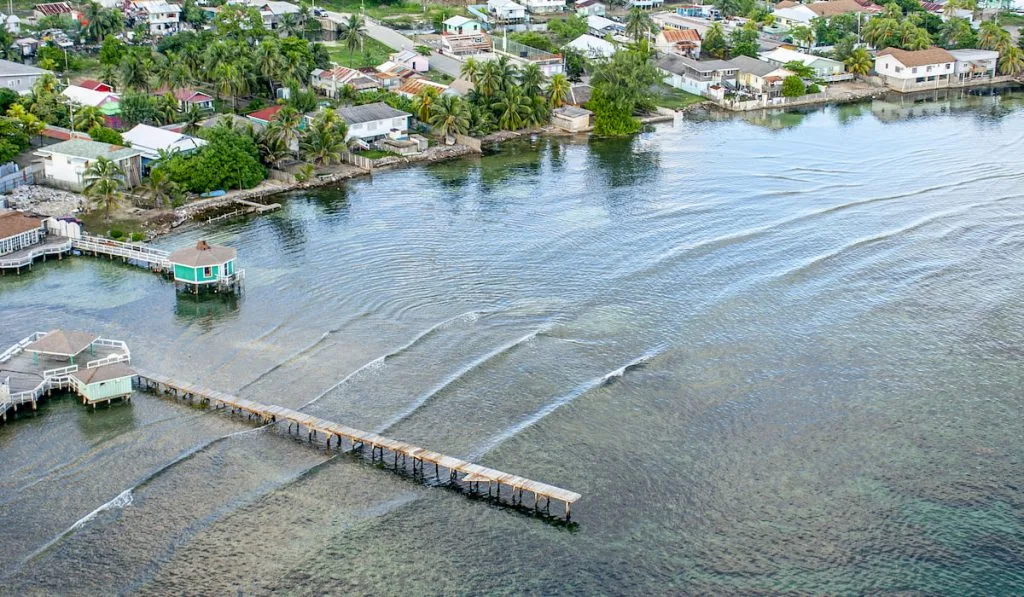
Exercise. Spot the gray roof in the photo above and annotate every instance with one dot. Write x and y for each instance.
(370, 113)
(572, 111)
(680, 64)
(8, 68)
(89, 150)
(746, 64)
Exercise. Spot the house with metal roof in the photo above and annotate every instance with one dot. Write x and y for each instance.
(205, 266)
(65, 163)
(460, 25)
(685, 42)
(370, 122)
(758, 77)
(696, 76)
(331, 81)
(825, 69)
(150, 140)
(592, 47)
(188, 98)
(19, 77)
(974, 65)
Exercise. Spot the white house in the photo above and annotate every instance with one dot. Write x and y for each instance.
(19, 77)
(601, 26)
(88, 97)
(824, 68)
(793, 16)
(684, 42)
(646, 4)
(696, 76)
(544, 6)
(370, 122)
(585, 8)
(975, 65)
(18, 231)
(149, 140)
(273, 12)
(64, 163)
(592, 47)
(12, 23)
(904, 70)
(506, 11)
(161, 17)
(410, 59)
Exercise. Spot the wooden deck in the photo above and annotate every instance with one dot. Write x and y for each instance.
(144, 255)
(316, 428)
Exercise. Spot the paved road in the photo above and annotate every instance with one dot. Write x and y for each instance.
(395, 40)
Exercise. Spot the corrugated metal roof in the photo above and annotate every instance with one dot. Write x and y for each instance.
(370, 113)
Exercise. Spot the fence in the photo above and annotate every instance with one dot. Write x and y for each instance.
(12, 178)
(357, 160)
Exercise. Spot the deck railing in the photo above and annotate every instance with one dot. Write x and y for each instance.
(20, 346)
(28, 258)
(115, 248)
(59, 371)
(109, 360)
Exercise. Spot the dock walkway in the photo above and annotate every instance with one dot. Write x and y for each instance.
(155, 259)
(473, 474)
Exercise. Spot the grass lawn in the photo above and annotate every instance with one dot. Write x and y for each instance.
(377, 12)
(674, 99)
(375, 154)
(372, 54)
(1011, 18)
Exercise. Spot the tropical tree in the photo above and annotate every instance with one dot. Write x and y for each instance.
(881, 32)
(352, 34)
(135, 71)
(1011, 61)
(193, 120)
(803, 35)
(230, 80)
(470, 70)
(167, 108)
(714, 41)
(159, 188)
(270, 64)
(87, 117)
(100, 22)
(558, 90)
(859, 62)
(449, 116)
(324, 140)
(530, 79)
(104, 183)
(423, 101)
(993, 37)
(175, 73)
(512, 108)
(639, 23)
(957, 34)
(286, 127)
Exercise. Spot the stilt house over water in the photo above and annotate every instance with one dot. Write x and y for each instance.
(206, 266)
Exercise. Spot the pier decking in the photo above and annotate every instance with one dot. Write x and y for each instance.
(30, 369)
(472, 474)
(154, 259)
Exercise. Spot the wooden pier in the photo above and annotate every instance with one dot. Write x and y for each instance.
(472, 475)
(59, 246)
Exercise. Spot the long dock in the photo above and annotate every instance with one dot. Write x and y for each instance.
(472, 474)
(155, 259)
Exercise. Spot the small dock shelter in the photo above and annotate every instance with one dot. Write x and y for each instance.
(62, 344)
(206, 266)
(104, 383)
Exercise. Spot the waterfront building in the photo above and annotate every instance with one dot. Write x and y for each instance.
(697, 76)
(460, 25)
(19, 77)
(974, 65)
(758, 77)
(371, 122)
(905, 70)
(64, 164)
(571, 118)
(18, 231)
(825, 69)
(150, 140)
(103, 383)
(205, 266)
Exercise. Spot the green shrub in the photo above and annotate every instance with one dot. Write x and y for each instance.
(230, 160)
(138, 237)
(813, 88)
(116, 234)
(793, 86)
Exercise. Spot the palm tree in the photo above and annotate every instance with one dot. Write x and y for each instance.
(921, 40)
(879, 32)
(991, 36)
(290, 24)
(352, 34)
(167, 108)
(231, 80)
(135, 72)
(639, 24)
(558, 90)
(512, 108)
(422, 102)
(193, 120)
(286, 127)
(175, 72)
(104, 181)
(322, 143)
(87, 117)
(108, 75)
(488, 79)
(539, 111)
(470, 70)
(449, 116)
(530, 79)
(1011, 62)
(269, 62)
(272, 149)
(802, 33)
(159, 188)
(859, 62)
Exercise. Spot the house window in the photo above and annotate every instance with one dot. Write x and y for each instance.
(929, 69)
(915, 70)
(207, 272)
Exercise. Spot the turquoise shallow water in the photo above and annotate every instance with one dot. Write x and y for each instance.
(776, 354)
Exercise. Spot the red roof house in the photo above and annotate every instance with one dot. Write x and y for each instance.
(265, 115)
(95, 85)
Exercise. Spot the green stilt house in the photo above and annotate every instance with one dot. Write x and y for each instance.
(206, 266)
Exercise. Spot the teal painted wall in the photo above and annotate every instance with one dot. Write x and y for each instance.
(198, 274)
(109, 389)
(182, 272)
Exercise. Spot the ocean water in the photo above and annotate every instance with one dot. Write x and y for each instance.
(775, 353)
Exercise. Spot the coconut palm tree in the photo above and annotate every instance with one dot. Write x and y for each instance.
(104, 181)
(992, 37)
(530, 79)
(352, 34)
(859, 62)
(639, 24)
(470, 70)
(558, 90)
(135, 72)
(513, 109)
(175, 72)
(193, 120)
(269, 62)
(488, 80)
(803, 34)
(322, 143)
(87, 117)
(1011, 61)
(287, 126)
(167, 108)
(879, 32)
(272, 149)
(423, 101)
(108, 75)
(449, 116)
(231, 80)
(159, 188)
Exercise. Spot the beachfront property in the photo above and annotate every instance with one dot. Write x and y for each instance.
(205, 266)
(522, 54)
(65, 163)
(975, 65)
(371, 122)
(683, 42)
(161, 17)
(758, 77)
(19, 231)
(697, 76)
(459, 25)
(825, 69)
(544, 6)
(19, 78)
(151, 140)
(571, 118)
(592, 47)
(330, 82)
(906, 70)
(506, 11)
(586, 8)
